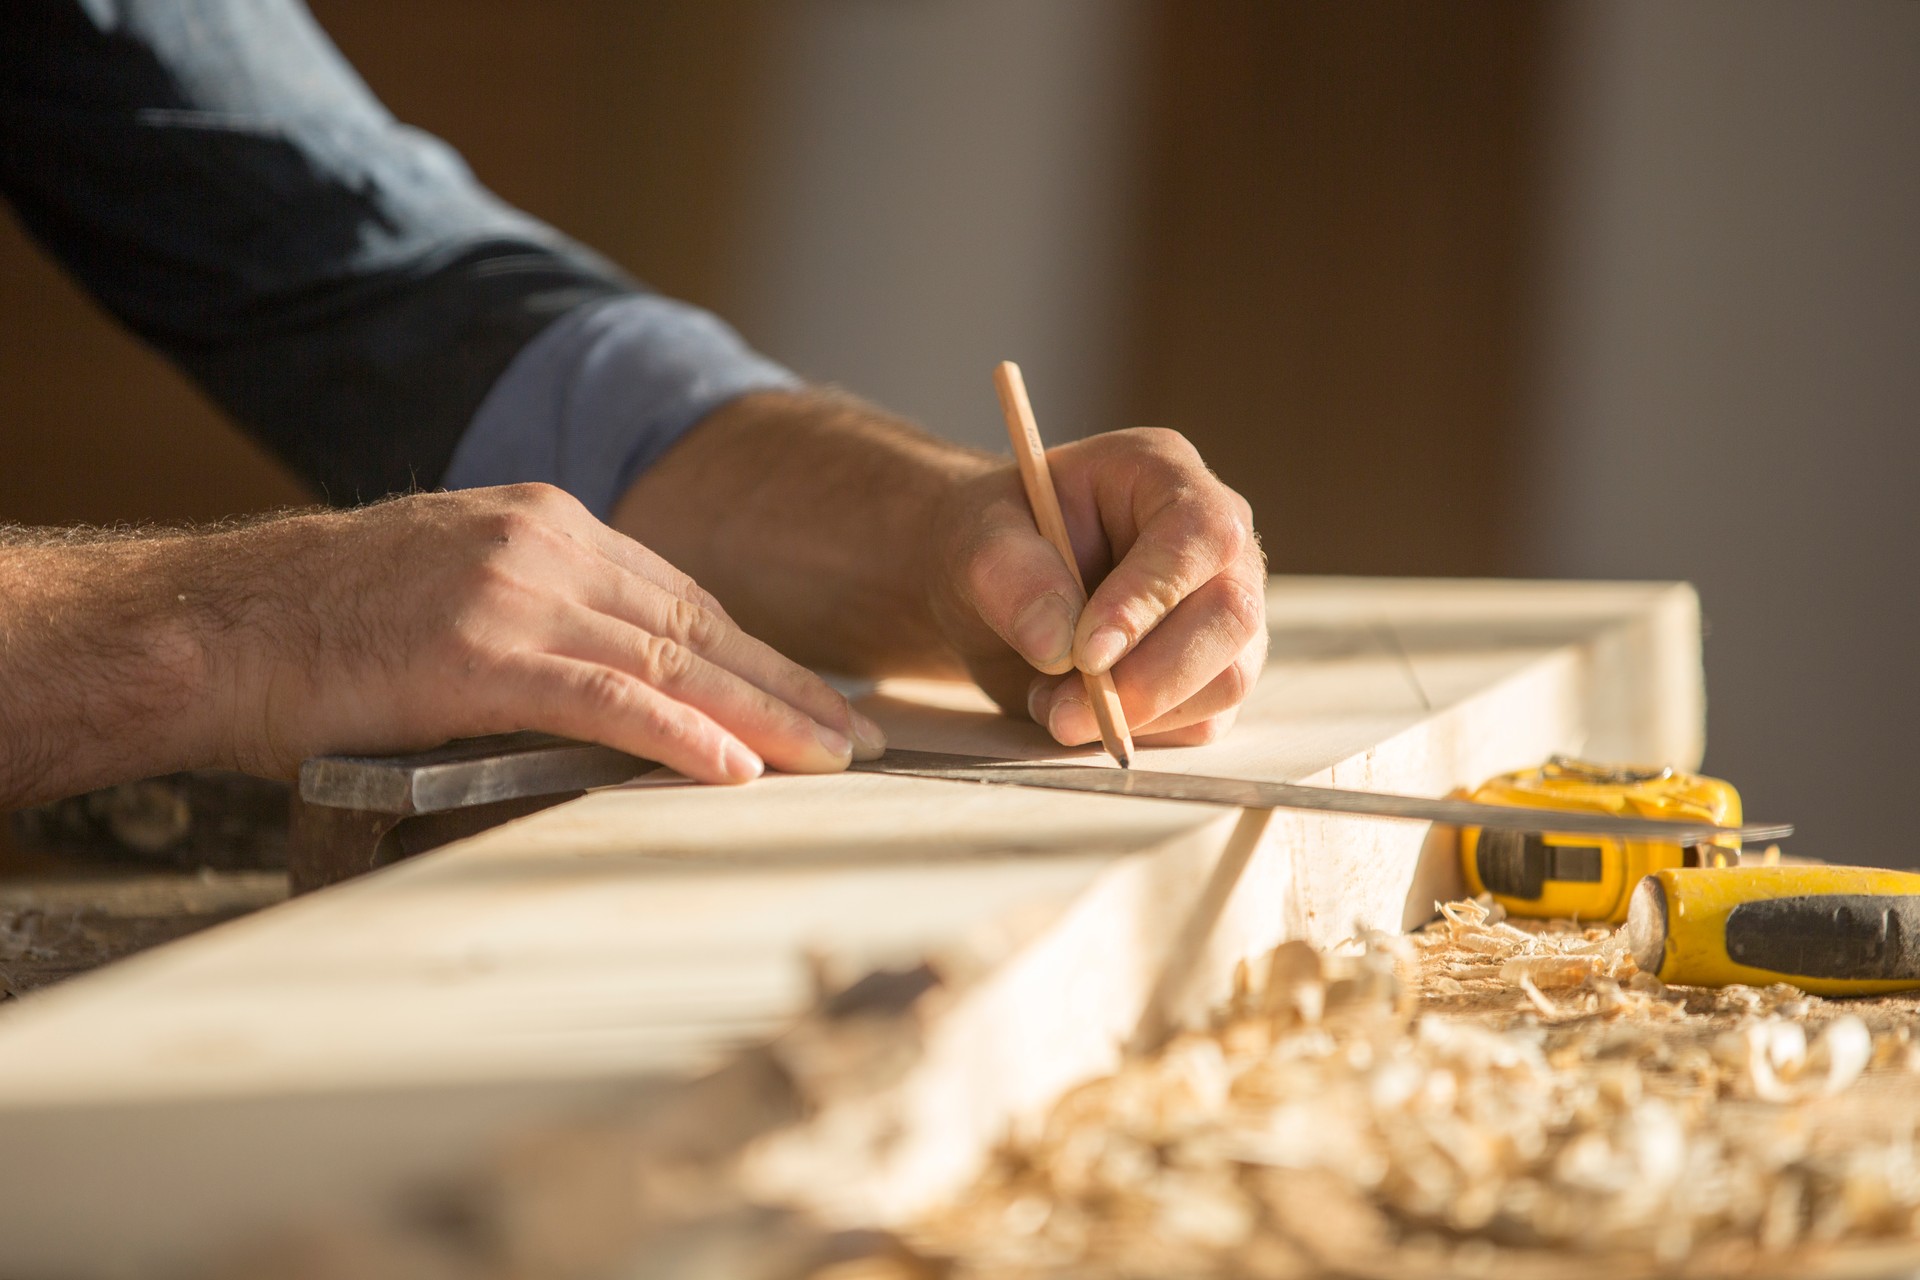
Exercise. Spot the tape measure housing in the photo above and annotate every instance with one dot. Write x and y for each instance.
(1549, 874)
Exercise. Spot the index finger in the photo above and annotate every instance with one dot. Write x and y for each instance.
(714, 637)
(1198, 531)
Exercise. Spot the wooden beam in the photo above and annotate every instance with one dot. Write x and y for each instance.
(331, 1053)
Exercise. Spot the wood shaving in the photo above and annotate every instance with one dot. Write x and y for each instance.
(1482, 1095)
(1549, 971)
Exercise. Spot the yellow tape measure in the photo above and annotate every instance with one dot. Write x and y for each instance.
(1545, 874)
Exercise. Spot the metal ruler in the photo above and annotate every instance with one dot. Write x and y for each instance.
(1247, 793)
(513, 766)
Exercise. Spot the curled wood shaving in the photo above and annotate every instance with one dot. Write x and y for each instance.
(1774, 1061)
(1549, 970)
(1535, 997)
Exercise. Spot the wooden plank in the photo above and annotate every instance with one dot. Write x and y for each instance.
(331, 1052)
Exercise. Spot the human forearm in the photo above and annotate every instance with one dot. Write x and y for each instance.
(106, 650)
(807, 514)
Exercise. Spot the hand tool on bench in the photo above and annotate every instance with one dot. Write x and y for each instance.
(1555, 872)
(350, 809)
(1832, 931)
(1694, 916)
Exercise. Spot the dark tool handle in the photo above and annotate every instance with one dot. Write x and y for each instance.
(1866, 936)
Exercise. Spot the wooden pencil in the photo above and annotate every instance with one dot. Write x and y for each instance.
(1024, 434)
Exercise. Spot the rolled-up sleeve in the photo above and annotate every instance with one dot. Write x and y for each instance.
(221, 180)
(602, 393)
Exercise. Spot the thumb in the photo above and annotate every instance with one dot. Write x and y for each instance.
(1021, 589)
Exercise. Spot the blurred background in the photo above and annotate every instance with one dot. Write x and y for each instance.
(1622, 289)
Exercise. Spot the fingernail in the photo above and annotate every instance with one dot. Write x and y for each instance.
(869, 740)
(1103, 649)
(1044, 632)
(1037, 699)
(838, 745)
(742, 764)
(1072, 722)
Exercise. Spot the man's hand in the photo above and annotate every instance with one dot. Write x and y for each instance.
(453, 614)
(1178, 615)
(387, 628)
(855, 542)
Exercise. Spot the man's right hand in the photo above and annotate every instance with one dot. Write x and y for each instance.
(391, 627)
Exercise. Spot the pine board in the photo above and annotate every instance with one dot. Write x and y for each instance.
(327, 1054)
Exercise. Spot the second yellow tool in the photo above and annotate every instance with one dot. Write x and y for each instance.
(1833, 931)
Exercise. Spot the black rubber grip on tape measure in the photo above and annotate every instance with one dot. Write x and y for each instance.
(1828, 935)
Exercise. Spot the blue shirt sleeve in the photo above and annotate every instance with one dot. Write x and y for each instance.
(602, 393)
(221, 180)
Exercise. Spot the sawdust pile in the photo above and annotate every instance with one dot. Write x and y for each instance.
(1465, 1100)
